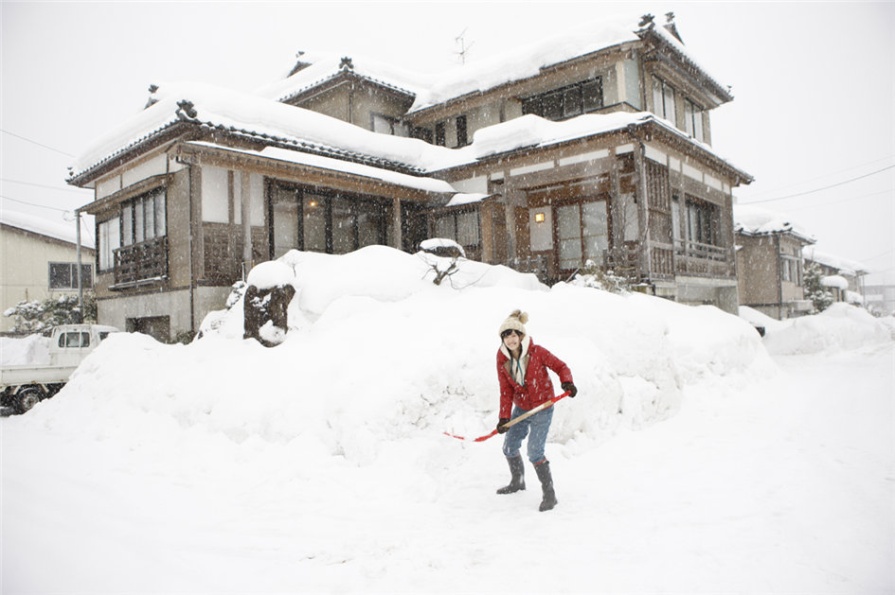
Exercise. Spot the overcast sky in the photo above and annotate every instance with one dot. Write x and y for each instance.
(812, 118)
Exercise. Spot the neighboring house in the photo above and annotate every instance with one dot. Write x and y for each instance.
(880, 299)
(596, 146)
(842, 277)
(39, 261)
(770, 269)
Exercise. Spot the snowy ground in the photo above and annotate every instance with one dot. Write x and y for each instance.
(697, 458)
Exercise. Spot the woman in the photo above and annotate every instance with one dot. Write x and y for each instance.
(524, 384)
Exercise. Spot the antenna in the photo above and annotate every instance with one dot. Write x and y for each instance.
(464, 49)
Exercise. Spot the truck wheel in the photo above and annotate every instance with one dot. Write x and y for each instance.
(28, 398)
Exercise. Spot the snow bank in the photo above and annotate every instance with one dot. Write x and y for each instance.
(840, 327)
(376, 352)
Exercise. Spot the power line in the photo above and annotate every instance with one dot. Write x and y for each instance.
(24, 138)
(823, 187)
(84, 227)
(41, 185)
(836, 202)
(31, 204)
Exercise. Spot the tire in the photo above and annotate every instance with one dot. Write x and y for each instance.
(28, 398)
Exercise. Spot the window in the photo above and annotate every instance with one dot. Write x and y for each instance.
(440, 134)
(460, 226)
(74, 339)
(462, 137)
(791, 270)
(701, 222)
(109, 233)
(582, 233)
(693, 120)
(315, 221)
(567, 102)
(64, 275)
(144, 218)
(663, 100)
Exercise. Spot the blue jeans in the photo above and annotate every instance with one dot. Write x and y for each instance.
(539, 424)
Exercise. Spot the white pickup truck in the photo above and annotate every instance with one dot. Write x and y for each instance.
(22, 387)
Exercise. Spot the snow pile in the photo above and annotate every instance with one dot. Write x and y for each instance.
(320, 465)
(376, 352)
(840, 327)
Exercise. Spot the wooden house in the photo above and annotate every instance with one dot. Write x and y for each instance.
(593, 147)
(770, 267)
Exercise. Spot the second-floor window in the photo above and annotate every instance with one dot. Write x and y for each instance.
(566, 102)
(143, 218)
(109, 240)
(663, 100)
(693, 120)
(462, 133)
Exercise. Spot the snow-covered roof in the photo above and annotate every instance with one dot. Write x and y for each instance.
(751, 220)
(324, 67)
(300, 130)
(46, 226)
(262, 119)
(843, 265)
(517, 64)
(359, 169)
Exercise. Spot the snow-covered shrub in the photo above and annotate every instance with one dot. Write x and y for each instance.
(595, 277)
(35, 316)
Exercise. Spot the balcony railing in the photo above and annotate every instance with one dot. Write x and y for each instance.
(704, 260)
(141, 262)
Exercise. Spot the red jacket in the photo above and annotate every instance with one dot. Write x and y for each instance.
(537, 388)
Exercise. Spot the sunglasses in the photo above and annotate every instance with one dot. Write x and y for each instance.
(509, 332)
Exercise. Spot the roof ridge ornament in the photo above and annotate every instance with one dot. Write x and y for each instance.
(647, 21)
(152, 100)
(346, 63)
(186, 110)
(671, 27)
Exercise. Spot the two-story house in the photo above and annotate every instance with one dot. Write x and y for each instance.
(594, 146)
(770, 268)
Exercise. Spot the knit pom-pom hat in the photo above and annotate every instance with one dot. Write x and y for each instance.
(515, 321)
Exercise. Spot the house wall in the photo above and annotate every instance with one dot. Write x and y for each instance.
(761, 281)
(25, 268)
(758, 281)
(644, 242)
(356, 103)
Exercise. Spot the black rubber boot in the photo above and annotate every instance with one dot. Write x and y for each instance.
(549, 500)
(517, 483)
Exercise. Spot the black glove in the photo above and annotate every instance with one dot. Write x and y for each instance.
(500, 425)
(570, 388)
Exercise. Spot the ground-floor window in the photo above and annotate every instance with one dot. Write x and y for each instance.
(581, 233)
(319, 221)
(461, 226)
(64, 275)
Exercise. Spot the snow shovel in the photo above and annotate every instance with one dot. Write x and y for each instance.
(513, 421)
